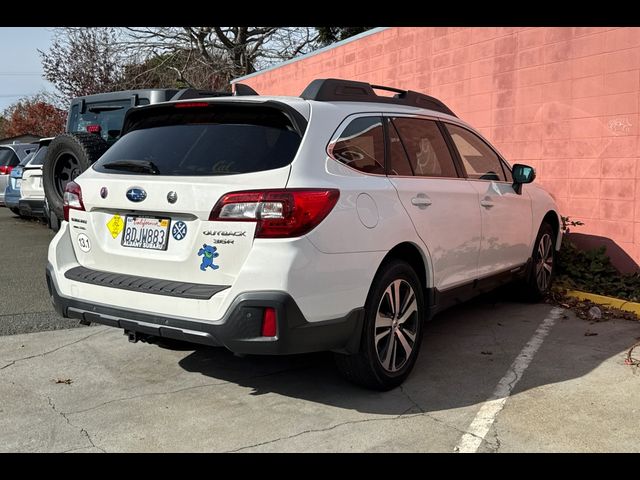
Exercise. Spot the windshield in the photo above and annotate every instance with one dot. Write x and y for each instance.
(211, 141)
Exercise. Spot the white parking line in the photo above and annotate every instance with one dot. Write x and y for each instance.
(470, 441)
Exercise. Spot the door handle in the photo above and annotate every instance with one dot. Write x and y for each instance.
(486, 202)
(421, 201)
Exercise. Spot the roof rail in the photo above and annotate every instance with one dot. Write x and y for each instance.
(337, 90)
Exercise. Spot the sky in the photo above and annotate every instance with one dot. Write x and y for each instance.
(20, 68)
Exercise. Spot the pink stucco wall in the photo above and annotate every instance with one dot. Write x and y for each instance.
(565, 100)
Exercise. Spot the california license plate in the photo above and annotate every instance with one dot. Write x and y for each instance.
(146, 232)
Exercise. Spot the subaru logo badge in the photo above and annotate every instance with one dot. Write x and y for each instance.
(104, 192)
(172, 197)
(136, 194)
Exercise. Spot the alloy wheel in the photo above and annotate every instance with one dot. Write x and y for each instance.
(544, 262)
(396, 325)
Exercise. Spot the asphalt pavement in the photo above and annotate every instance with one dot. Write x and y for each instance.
(24, 300)
(563, 383)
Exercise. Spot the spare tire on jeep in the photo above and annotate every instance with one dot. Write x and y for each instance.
(68, 156)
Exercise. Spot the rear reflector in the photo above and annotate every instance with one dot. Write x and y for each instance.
(269, 322)
(278, 213)
(94, 128)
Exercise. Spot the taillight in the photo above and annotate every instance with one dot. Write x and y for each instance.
(94, 128)
(278, 213)
(191, 105)
(72, 199)
(5, 170)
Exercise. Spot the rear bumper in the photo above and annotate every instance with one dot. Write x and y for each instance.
(31, 207)
(11, 199)
(239, 329)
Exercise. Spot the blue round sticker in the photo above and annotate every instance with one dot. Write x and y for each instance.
(179, 230)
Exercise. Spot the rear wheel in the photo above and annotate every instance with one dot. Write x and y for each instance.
(542, 269)
(68, 156)
(392, 331)
(15, 211)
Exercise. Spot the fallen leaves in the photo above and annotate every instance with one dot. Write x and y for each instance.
(66, 381)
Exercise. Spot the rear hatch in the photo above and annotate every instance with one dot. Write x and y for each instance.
(146, 203)
(31, 186)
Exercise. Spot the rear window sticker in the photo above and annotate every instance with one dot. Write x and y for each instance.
(208, 253)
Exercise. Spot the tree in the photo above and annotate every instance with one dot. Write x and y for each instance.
(329, 35)
(83, 61)
(173, 70)
(33, 115)
(228, 51)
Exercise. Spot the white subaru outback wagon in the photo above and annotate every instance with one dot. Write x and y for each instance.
(338, 220)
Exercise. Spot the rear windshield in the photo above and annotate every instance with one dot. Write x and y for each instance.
(39, 157)
(108, 115)
(8, 158)
(218, 140)
(27, 159)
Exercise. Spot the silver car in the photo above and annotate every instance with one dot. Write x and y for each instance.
(10, 156)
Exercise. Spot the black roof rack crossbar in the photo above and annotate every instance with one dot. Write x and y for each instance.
(337, 90)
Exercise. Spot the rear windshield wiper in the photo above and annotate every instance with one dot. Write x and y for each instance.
(138, 166)
(105, 108)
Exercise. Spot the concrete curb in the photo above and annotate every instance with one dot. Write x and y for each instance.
(606, 301)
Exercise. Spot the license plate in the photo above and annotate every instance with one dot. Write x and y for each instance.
(146, 232)
(18, 183)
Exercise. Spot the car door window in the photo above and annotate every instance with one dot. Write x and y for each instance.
(426, 149)
(479, 160)
(361, 145)
(398, 160)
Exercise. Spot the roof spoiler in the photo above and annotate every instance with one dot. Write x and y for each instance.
(240, 90)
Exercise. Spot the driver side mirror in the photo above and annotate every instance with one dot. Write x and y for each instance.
(522, 174)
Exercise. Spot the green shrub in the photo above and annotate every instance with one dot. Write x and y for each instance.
(591, 270)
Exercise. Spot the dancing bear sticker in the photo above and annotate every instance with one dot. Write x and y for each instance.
(208, 253)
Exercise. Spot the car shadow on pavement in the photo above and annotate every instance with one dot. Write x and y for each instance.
(465, 352)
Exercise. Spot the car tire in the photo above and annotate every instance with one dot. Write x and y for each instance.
(540, 274)
(15, 211)
(386, 359)
(68, 156)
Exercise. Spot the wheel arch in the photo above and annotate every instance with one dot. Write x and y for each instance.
(415, 257)
(553, 218)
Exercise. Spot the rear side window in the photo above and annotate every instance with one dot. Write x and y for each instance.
(479, 160)
(361, 145)
(204, 141)
(426, 149)
(8, 158)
